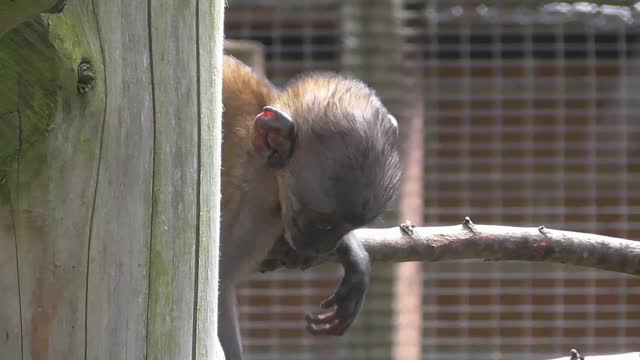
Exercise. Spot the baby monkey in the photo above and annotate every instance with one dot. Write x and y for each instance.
(301, 168)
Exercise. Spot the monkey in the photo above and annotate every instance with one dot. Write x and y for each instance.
(302, 166)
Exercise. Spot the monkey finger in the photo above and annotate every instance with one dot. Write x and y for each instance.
(323, 329)
(337, 328)
(321, 317)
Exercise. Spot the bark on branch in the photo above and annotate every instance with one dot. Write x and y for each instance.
(574, 355)
(491, 242)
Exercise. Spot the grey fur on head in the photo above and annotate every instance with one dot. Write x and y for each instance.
(350, 138)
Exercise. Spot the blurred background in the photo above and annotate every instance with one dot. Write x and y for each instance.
(518, 113)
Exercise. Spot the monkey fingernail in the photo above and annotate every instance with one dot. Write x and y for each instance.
(337, 327)
(324, 316)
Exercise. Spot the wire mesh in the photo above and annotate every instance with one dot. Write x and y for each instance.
(530, 109)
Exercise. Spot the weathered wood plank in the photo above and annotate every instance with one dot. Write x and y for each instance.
(10, 329)
(210, 29)
(26, 129)
(39, 294)
(87, 224)
(173, 246)
(121, 224)
(72, 153)
(53, 173)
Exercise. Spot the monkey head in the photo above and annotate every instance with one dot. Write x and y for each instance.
(335, 152)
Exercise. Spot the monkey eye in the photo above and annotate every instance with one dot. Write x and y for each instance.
(324, 226)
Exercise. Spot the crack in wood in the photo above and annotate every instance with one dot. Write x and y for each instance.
(13, 208)
(95, 192)
(153, 170)
(15, 243)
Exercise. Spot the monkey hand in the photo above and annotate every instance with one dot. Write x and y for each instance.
(343, 307)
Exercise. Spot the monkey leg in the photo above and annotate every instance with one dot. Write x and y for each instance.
(228, 330)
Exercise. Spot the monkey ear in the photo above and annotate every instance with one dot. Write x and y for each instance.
(273, 137)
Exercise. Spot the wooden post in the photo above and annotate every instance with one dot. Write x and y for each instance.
(109, 180)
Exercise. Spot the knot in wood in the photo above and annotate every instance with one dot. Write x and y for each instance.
(543, 230)
(469, 225)
(407, 228)
(86, 77)
(574, 353)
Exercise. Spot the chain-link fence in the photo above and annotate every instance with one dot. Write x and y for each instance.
(530, 114)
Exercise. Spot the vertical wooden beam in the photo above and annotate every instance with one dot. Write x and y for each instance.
(118, 267)
(210, 28)
(48, 155)
(109, 181)
(173, 56)
(10, 327)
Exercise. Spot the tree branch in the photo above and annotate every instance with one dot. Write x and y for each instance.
(574, 355)
(489, 242)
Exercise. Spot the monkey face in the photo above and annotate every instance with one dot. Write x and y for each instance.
(329, 189)
(310, 231)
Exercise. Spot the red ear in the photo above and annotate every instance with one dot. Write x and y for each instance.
(273, 137)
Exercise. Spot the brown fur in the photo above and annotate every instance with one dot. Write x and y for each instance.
(244, 96)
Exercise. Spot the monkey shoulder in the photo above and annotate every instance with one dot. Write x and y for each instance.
(244, 93)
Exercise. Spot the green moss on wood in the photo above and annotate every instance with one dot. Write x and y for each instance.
(67, 35)
(29, 91)
(38, 77)
(14, 12)
(161, 345)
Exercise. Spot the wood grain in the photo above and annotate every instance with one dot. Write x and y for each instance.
(103, 201)
(51, 181)
(210, 30)
(175, 180)
(121, 222)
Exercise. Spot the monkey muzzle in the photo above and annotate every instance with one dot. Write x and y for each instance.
(311, 241)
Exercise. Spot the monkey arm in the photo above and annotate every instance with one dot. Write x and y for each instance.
(343, 307)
